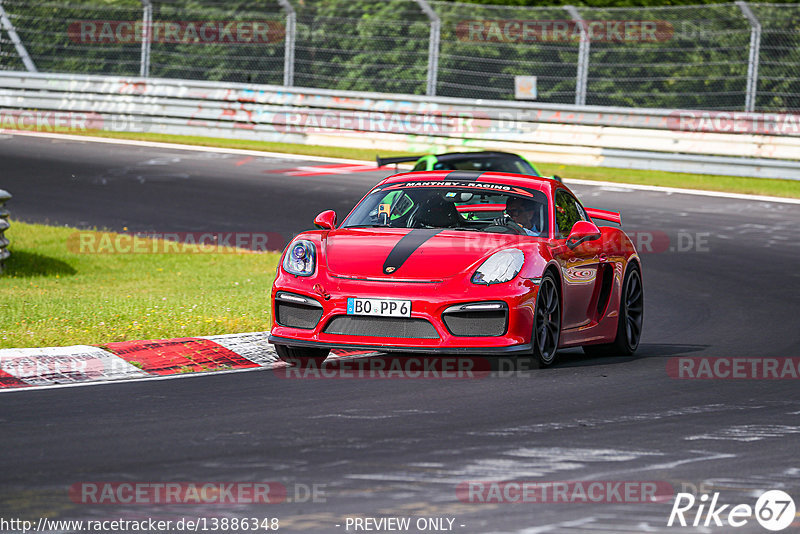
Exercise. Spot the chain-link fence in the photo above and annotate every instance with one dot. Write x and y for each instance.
(362, 46)
(737, 56)
(231, 41)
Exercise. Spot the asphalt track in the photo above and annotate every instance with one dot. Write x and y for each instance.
(380, 448)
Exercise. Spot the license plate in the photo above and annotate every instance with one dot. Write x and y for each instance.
(381, 307)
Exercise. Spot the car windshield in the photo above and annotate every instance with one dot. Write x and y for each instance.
(510, 164)
(478, 207)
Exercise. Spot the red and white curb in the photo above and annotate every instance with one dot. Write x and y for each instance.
(129, 360)
(134, 359)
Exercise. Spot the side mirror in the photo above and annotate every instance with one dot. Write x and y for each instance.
(326, 220)
(581, 232)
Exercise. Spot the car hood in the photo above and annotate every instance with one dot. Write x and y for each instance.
(423, 254)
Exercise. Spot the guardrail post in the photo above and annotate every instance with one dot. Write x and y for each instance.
(147, 34)
(12, 33)
(433, 46)
(288, 45)
(583, 58)
(4, 253)
(755, 50)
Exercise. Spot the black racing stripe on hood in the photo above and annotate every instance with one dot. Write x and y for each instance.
(463, 175)
(406, 247)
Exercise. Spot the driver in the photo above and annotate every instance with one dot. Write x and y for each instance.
(523, 212)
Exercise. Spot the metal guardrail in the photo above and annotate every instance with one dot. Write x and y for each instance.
(651, 139)
(4, 252)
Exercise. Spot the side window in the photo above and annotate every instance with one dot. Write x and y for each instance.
(421, 165)
(568, 212)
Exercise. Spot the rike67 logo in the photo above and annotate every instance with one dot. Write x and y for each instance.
(774, 510)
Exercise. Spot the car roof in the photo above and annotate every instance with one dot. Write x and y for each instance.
(474, 155)
(546, 185)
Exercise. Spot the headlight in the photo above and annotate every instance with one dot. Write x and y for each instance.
(499, 267)
(300, 258)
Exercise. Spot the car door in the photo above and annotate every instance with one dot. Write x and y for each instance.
(578, 265)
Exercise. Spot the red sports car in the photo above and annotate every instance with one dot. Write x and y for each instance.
(463, 262)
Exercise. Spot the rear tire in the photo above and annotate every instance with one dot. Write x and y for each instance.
(631, 317)
(546, 322)
(302, 356)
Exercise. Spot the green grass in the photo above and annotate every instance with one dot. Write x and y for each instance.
(52, 295)
(731, 184)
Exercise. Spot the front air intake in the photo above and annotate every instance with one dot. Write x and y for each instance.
(297, 311)
(477, 319)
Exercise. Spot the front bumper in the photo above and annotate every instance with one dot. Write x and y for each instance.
(515, 349)
(429, 301)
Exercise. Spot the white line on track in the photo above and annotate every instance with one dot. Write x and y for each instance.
(258, 153)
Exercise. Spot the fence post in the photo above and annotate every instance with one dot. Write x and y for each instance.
(4, 253)
(12, 33)
(288, 45)
(147, 37)
(583, 58)
(755, 50)
(433, 46)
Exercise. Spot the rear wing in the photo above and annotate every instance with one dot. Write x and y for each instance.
(388, 161)
(611, 216)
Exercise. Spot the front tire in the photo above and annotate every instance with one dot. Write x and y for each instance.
(631, 318)
(546, 322)
(302, 356)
